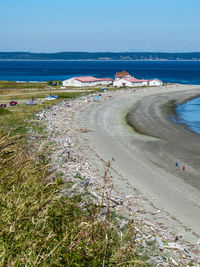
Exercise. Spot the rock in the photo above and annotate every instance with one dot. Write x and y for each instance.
(160, 243)
(122, 224)
(174, 246)
(85, 182)
(173, 261)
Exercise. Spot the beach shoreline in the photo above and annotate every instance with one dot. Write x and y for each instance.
(109, 138)
(177, 133)
(97, 134)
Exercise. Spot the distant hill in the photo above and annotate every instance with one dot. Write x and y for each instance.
(99, 56)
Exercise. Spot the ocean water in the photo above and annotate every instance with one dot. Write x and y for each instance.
(185, 72)
(188, 113)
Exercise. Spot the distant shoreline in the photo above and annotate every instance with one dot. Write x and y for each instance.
(97, 60)
(102, 56)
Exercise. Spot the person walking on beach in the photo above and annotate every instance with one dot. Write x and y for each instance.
(176, 164)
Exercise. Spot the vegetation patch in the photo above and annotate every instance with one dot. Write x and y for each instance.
(4, 111)
(21, 85)
(21, 120)
(40, 228)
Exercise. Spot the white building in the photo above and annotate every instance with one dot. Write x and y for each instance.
(106, 81)
(87, 81)
(131, 82)
(124, 79)
(155, 82)
(122, 75)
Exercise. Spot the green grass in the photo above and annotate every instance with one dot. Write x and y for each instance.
(78, 176)
(4, 111)
(21, 119)
(39, 228)
(21, 85)
(37, 95)
(66, 95)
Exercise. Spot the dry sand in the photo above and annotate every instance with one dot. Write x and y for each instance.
(143, 161)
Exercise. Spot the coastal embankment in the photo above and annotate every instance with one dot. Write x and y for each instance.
(141, 155)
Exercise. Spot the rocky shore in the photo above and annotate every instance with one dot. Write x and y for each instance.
(68, 148)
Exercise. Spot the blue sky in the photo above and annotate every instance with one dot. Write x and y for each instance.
(103, 25)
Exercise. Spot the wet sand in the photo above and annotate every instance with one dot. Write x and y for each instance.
(174, 142)
(143, 156)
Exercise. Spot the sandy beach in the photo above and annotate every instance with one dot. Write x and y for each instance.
(87, 135)
(143, 161)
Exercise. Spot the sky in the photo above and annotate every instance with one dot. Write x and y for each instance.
(100, 25)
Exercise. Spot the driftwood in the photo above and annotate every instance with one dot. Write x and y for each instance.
(160, 243)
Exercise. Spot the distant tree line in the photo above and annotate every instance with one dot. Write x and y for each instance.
(99, 56)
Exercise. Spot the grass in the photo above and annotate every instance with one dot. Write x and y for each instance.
(21, 119)
(66, 95)
(22, 85)
(40, 228)
(4, 111)
(36, 95)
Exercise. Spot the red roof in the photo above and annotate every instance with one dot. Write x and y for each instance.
(107, 79)
(86, 79)
(122, 74)
(143, 80)
(134, 80)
